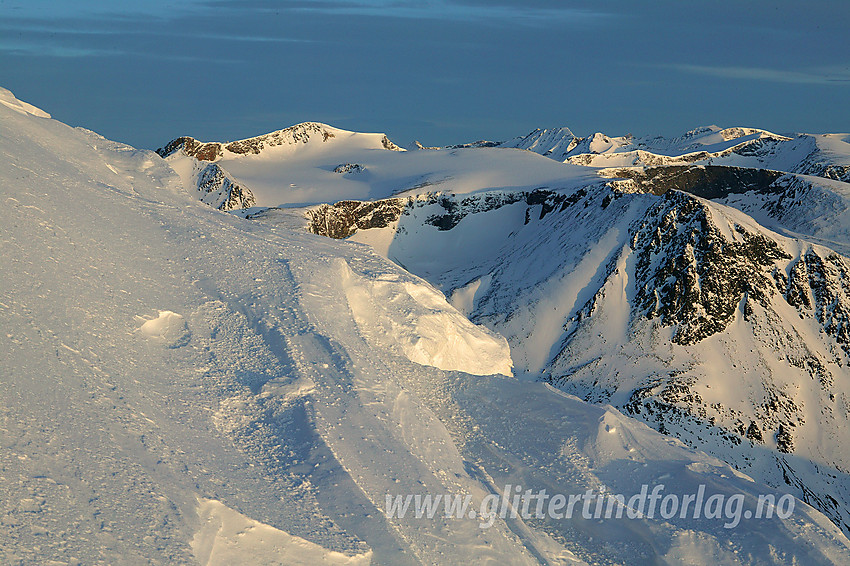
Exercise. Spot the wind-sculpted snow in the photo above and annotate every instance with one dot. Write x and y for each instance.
(227, 537)
(276, 409)
(395, 313)
(168, 329)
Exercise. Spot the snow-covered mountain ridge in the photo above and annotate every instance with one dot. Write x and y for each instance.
(304, 133)
(826, 155)
(185, 386)
(200, 167)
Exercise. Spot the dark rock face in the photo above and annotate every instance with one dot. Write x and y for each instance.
(825, 169)
(349, 168)
(691, 276)
(480, 143)
(696, 278)
(822, 283)
(457, 210)
(344, 218)
(710, 181)
(193, 148)
(784, 440)
(388, 145)
(221, 192)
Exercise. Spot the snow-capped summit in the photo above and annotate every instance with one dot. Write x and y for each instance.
(556, 143)
(307, 134)
(602, 150)
(224, 181)
(822, 155)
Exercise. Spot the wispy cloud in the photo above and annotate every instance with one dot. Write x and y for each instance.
(449, 10)
(522, 12)
(59, 30)
(822, 76)
(49, 40)
(47, 49)
(82, 9)
(251, 38)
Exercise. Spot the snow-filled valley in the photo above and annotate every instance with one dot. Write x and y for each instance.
(180, 384)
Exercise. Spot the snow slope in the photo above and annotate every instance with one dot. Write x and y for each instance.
(185, 386)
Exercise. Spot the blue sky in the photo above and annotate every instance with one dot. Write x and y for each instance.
(440, 71)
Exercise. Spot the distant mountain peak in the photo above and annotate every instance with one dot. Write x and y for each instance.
(700, 131)
(303, 133)
(551, 142)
